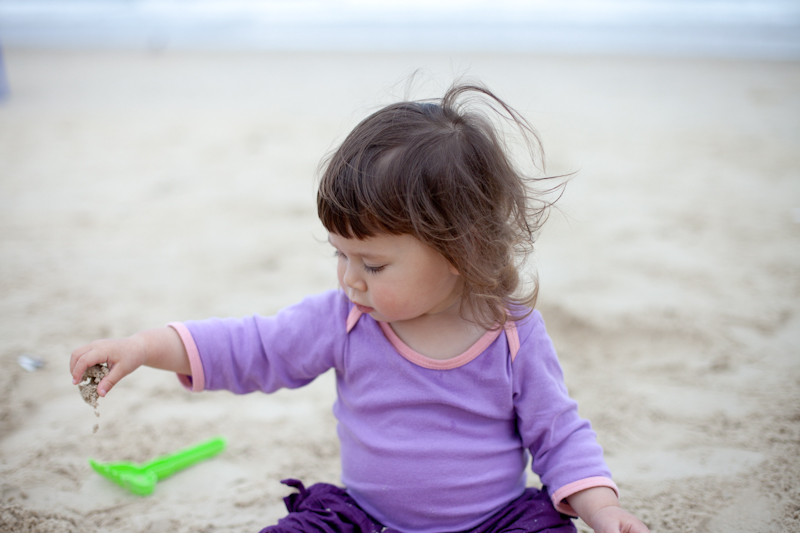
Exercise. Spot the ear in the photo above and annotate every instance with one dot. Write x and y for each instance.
(454, 270)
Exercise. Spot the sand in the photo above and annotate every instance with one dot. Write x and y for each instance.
(140, 188)
(88, 388)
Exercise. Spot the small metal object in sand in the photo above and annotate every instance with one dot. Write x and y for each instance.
(30, 362)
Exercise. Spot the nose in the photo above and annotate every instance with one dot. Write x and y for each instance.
(353, 279)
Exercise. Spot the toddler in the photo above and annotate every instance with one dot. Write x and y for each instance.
(447, 383)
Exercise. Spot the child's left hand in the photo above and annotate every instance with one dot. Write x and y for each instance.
(599, 508)
(615, 519)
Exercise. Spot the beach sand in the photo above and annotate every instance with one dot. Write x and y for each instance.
(143, 188)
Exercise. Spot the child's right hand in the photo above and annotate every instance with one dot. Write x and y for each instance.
(123, 356)
(158, 348)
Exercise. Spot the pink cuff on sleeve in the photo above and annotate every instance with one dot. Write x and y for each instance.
(197, 381)
(560, 496)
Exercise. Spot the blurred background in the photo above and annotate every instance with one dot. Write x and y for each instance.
(158, 163)
(720, 28)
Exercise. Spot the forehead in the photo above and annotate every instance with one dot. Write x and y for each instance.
(378, 246)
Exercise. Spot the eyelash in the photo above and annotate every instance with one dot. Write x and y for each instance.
(373, 270)
(368, 269)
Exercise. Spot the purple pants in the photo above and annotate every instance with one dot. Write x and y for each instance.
(324, 508)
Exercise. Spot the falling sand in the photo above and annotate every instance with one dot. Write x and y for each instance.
(88, 386)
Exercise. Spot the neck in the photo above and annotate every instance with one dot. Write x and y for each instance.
(442, 335)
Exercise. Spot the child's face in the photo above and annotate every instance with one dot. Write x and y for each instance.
(395, 277)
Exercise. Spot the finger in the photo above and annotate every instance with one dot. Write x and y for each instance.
(78, 368)
(93, 357)
(113, 377)
(77, 354)
(634, 525)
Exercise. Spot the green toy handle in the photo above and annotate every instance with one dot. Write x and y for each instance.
(169, 464)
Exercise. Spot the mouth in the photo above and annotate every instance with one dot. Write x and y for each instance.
(363, 308)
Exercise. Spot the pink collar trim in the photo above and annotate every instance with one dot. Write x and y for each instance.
(438, 364)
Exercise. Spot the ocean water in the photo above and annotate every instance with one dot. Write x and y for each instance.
(768, 29)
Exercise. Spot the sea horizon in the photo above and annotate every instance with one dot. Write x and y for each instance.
(707, 28)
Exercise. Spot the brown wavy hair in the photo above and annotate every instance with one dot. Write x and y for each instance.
(440, 170)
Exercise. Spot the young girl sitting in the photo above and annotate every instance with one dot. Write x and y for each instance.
(447, 381)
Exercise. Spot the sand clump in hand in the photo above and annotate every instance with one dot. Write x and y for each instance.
(91, 378)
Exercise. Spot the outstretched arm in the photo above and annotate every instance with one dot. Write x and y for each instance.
(157, 348)
(599, 508)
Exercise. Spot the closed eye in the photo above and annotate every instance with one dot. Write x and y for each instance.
(374, 270)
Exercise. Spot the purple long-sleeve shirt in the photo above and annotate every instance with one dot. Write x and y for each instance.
(426, 446)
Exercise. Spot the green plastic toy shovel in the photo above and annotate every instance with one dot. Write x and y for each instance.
(142, 479)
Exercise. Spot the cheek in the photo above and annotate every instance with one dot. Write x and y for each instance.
(340, 270)
(391, 303)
